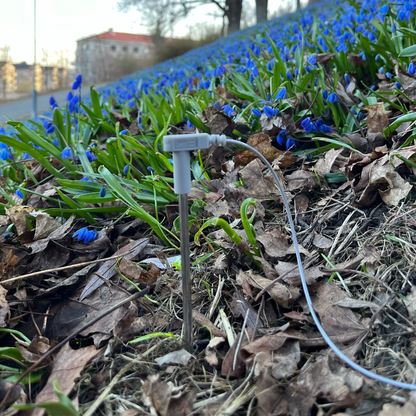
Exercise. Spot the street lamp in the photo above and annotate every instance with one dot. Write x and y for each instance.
(34, 93)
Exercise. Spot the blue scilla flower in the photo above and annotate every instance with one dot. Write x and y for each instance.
(52, 100)
(170, 161)
(347, 78)
(281, 95)
(381, 70)
(67, 153)
(323, 127)
(124, 132)
(333, 98)
(270, 112)
(312, 60)
(217, 106)
(19, 193)
(221, 70)
(150, 169)
(102, 192)
(397, 85)
(26, 156)
(90, 156)
(389, 75)
(229, 110)
(256, 112)
(378, 57)
(126, 170)
(290, 143)
(86, 179)
(255, 71)
(412, 69)
(189, 124)
(281, 137)
(288, 76)
(85, 235)
(69, 96)
(360, 116)
(308, 125)
(77, 83)
(325, 94)
(5, 154)
(384, 9)
(132, 103)
(55, 142)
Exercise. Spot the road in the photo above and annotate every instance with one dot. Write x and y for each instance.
(21, 109)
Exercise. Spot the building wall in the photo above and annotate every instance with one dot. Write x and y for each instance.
(101, 60)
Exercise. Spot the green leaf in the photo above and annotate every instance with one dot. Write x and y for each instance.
(197, 122)
(410, 51)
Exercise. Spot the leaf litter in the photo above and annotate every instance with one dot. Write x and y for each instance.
(255, 343)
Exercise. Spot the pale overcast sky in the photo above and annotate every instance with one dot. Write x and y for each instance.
(61, 22)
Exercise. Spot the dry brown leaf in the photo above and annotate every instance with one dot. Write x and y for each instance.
(68, 365)
(210, 352)
(107, 270)
(130, 269)
(17, 215)
(328, 379)
(176, 357)
(45, 224)
(302, 181)
(274, 243)
(377, 118)
(262, 143)
(384, 181)
(409, 408)
(166, 399)
(336, 320)
(201, 319)
(280, 293)
(290, 271)
(240, 307)
(4, 308)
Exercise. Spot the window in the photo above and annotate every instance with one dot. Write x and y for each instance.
(113, 48)
(84, 47)
(136, 49)
(124, 48)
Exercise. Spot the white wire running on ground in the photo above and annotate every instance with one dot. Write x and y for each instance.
(219, 141)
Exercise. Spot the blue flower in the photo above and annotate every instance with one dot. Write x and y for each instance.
(77, 83)
(102, 192)
(397, 85)
(323, 127)
(229, 110)
(67, 153)
(290, 143)
(325, 94)
(19, 193)
(69, 96)
(333, 98)
(85, 234)
(412, 69)
(126, 170)
(52, 101)
(124, 132)
(270, 112)
(221, 71)
(384, 9)
(256, 112)
(90, 156)
(308, 126)
(312, 60)
(255, 71)
(388, 75)
(281, 95)
(381, 70)
(5, 154)
(347, 78)
(50, 129)
(281, 137)
(150, 169)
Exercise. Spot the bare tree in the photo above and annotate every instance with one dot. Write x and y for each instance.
(161, 15)
(261, 10)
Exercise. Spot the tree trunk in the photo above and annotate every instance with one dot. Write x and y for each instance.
(233, 9)
(313, 1)
(297, 4)
(261, 10)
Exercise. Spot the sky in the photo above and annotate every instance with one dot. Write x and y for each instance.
(59, 23)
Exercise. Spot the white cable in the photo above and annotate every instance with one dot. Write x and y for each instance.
(341, 355)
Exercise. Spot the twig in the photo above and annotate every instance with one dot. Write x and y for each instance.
(72, 266)
(137, 295)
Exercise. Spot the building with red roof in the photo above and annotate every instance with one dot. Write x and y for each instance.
(111, 55)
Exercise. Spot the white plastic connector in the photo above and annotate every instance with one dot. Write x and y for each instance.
(180, 145)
